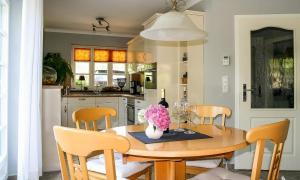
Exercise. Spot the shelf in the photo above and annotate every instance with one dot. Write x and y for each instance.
(183, 62)
(183, 84)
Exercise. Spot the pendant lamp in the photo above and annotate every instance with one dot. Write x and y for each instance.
(173, 26)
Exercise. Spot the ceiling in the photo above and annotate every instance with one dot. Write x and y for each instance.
(125, 16)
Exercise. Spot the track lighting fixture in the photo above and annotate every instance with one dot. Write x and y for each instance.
(103, 24)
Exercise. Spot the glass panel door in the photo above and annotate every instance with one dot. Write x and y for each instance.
(272, 68)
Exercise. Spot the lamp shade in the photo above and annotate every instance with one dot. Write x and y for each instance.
(173, 26)
(81, 78)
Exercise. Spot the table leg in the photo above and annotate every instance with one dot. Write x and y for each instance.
(169, 170)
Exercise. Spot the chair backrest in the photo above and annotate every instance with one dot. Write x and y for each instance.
(92, 115)
(80, 143)
(211, 112)
(276, 133)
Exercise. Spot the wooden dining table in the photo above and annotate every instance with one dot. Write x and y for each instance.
(169, 157)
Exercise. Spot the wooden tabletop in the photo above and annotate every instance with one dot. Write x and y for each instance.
(224, 140)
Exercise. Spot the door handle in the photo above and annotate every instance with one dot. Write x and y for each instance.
(245, 92)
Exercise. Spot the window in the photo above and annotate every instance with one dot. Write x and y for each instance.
(101, 74)
(118, 72)
(3, 86)
(99, 66)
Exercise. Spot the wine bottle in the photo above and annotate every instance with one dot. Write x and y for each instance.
(163, 101)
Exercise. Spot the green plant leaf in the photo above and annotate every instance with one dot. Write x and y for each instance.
(62, 67)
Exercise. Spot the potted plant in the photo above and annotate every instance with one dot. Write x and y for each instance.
(62, 67)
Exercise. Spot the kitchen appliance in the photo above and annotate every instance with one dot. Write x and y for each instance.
(133, 87)
(130, 111)
(136, 81)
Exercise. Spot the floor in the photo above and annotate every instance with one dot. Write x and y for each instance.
(288, 175)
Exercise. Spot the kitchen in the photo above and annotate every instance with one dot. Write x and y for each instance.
(146, 66)
(149, 67)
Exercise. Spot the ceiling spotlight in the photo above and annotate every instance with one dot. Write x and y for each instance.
(103, 24)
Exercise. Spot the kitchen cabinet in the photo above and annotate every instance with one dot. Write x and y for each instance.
(75, 103)
(150, 51)
(122, 111)
(112, 102)
(71, 104)
(64, 112)
(51, 107)
(135, 50)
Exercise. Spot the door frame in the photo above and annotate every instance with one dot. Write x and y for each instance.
(238, 90)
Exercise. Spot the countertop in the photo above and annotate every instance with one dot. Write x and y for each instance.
(106, 94)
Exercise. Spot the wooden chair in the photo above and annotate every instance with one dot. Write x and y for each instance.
(207, 115)
(92, 115)
(74, 142)
(205, 112)
(276, 133)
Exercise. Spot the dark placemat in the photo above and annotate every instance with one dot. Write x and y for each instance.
(171, 136)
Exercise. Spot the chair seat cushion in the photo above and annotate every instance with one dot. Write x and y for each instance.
(220, 174)
(122, 170)
(207, 163)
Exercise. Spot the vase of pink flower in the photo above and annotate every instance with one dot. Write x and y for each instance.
(158, 121)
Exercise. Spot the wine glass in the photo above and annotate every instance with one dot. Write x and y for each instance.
(176, 112)
(189, 112)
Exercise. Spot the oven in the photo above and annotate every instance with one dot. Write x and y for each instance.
(130, 111)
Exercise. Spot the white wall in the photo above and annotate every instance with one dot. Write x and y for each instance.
(219, 23)
(13, 68)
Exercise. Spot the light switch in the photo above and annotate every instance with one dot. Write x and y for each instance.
(225, 84)
(226, 61)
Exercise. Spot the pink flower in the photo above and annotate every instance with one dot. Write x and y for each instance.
(159, 116)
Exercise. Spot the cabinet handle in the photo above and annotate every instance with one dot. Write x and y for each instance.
(65, 109)
(81, 99)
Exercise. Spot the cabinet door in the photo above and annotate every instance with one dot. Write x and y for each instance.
(111, 102)
(77, 103)
(64, 111)
(122, 111)
(135, 51)
(64, 115)
(149, 51)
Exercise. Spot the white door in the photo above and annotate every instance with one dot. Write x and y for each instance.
(267, 55)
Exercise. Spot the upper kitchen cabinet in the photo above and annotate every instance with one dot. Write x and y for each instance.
(150, 51)
(135, 50)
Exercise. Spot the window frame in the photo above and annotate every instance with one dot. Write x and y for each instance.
(91, 85)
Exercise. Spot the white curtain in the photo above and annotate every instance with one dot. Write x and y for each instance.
(29, 130)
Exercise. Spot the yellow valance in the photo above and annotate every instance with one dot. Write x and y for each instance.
(82, 54)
